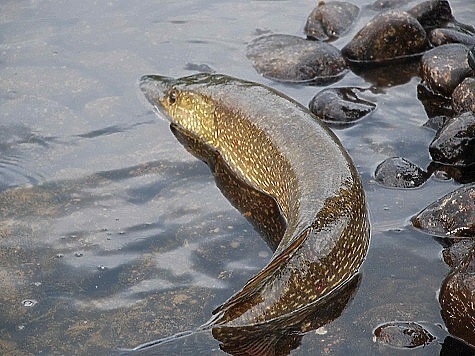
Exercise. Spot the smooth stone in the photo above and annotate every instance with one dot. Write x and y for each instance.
(432, 13)
(393, 34)
(463, 97)
(434, 103)
(455, 253)
(441, 36)
(453, 215)
(454, 144)
(329, 20)
(294, 59)
(340, 105)
(445, 67)
(457, 299)
(403, 334)
(397, 172)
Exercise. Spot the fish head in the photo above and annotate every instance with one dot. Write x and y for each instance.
(179, 101)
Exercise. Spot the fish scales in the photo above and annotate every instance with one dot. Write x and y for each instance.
(278, 147)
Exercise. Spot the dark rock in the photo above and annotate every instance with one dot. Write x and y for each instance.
(434, 103)
(463, 97)
(432, 13)
(403, 334)
(455, 253)
(397, 172)
(393, 34)
(293, 59)
(454, 144)
(460, 174)
(457, 299)
(441, 36)
(329, 20)
(436, 122)
(379, 76)
(444, 67)
(471, 58)
(387, 4)
(340, 105)
(453, 215)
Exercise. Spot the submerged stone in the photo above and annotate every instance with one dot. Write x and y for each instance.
(403, 334)
(340, 105)
(441, 36)
(454, 254)
(329, 20)
(432, 13)
(454, 144)
(444, 67)
(393, 34)
(452, 215)
(397, 172)
(463, 97)
(294, 59)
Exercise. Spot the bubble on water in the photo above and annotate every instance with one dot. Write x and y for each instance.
(78, 254)
(59, 255)
(37, 284)
(29, 303)
(101, 268)
(21, 327)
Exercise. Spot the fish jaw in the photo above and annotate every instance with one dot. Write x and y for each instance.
(155, 88)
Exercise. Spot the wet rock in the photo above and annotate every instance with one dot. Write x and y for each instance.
(444, 67)
(441, 36)
(393, 34)
(387, 4)
(432, 13)
(463, 97)
(434, 103)
(436, 122)
(403, 334)
(471, 58)
(329, 20)
(455, 253)
(460, 174)
(454, 144)
(293, 59)
(397, 172)
(452, 215)
(340, 105)
(457, 299)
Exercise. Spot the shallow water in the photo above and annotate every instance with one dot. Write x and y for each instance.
(112, 235)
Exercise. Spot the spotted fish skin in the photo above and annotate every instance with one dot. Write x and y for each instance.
(276, 146)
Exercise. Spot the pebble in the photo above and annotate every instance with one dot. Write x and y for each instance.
(397, 172)
(329, 20)
(445, 67)
(454, 144)
(453, 215)
(340, 105)
(293, 59)
(393, 34)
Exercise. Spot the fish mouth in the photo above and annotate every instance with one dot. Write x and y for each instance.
(155, 88)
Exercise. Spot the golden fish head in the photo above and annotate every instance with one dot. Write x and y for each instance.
(179, 101)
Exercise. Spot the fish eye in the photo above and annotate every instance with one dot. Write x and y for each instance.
(172, 96)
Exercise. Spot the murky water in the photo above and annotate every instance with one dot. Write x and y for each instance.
(112, 235)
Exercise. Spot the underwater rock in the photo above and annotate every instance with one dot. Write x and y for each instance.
(463, 97)
(393, 34)
(403, 334)
(452, 215)
(454, 144)
(340, 105)
(434, 103)
(444, 67)
(329, 20)
(294, 59)
(441, 36)
(397, 172)
(432, 13)
(457, 299)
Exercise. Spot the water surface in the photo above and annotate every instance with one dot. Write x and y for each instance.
(112, 235)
